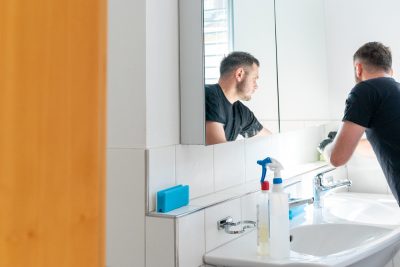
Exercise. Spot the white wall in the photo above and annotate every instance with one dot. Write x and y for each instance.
(350, 24)
(162, 78)
(126, 74)
(126, 127)
(143, 111)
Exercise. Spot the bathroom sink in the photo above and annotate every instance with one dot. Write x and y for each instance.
(361, 208)
(329, 239)
(352, 229)
(316, 245)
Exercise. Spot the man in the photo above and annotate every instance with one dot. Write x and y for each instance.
(373, 106)
(226, 116)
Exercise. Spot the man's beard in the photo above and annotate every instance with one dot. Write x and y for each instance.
(241, 88)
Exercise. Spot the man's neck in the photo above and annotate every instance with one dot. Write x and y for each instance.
(368, 76)
(229, 90)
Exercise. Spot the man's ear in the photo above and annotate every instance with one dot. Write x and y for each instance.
(359, 70)
(239, 74)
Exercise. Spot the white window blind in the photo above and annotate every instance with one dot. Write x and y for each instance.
(217, 36)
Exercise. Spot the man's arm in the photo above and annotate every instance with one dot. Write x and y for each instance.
(215, 133)
(346, 141)
(263, 132)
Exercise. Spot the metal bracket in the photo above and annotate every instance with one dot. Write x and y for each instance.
(227, 223)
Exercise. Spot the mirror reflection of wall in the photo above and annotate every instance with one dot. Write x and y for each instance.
(302, 64)
(238, 26)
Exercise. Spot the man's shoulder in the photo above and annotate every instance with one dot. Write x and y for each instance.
(376, 86)
(212, 88)
(212, 91)
(377, 83)
(239, 105)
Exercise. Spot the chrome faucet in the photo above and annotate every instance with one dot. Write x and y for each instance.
(320, 188)
(294, 202)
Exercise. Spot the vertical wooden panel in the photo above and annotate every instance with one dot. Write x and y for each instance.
(52, 132)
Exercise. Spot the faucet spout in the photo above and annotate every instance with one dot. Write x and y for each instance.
(320, 188)
(300, 201)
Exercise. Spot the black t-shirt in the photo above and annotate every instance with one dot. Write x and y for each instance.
(236, 118)
(375, 105)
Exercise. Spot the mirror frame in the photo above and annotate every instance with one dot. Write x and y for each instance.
(191, 70)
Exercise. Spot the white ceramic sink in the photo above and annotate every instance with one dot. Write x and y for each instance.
(329, 239)
(356, 230)
(372, 209)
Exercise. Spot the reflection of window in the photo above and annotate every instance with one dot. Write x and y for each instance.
(217, 36)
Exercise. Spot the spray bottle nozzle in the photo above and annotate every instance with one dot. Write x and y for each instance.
(263, 164)
(274, 165)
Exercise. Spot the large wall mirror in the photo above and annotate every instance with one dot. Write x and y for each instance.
(305, 49)
(236, 25)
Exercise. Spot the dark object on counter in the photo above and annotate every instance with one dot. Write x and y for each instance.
(325, 142)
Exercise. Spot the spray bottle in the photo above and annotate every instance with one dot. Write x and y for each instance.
(279, 219)
(263, 212)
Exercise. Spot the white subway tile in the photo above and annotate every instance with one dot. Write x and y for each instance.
(191, 239)
(160, 242)
(389, 264)
(215, 237)
(160, 172)
(249, 207)
(194, 167)
(258, 149)
(229, 164)
(287, 126)
(396, 259)
(125, 207)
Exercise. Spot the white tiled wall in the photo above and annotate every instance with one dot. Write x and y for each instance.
(214, 237)
(160, 172)
(209, 169)
(248, 207)
(396, 259)
(195, 167)
(229, 165)
(258, 149)
(125, 207)
(160, 242)
(191, 239)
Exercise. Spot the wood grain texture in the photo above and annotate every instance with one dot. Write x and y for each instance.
(52, 133)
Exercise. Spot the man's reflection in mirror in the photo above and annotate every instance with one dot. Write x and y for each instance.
(226, 115)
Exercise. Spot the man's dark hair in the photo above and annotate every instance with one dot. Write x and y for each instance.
(375, 55)
(235, 60)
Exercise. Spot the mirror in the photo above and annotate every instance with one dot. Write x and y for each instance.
(235, 25)
(291, 48)
(305, 49)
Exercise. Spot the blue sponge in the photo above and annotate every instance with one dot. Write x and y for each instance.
(172, 198)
